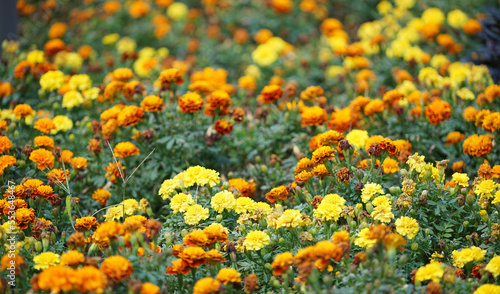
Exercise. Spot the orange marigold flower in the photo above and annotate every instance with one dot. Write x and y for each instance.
(44, 125)
(190, 102)
(228, 275)
(130, 116)
(206, 286)
(320, 171)
(215, 233)
(438, 111)
(322, 153)
(112, 90)
(79, 163)
(491, 122)
(5, 144)
(343, 119)
(196, 238)
(314, 116)
(86, 223)
(311, 93)
(374, 106)
(454, 137)
(122, 74)
(282, 263)
(392, 97)
(303, 165)
(177, 267)
(72, 258)
(57, 30)
(277, 193)
(44, 142)
(101, 196)
(478, 145)
(6, 89)
(43, 158)
(125, 149)
(150, 288)
(271, 93)
(114, 171)
(247, 82)
(24, 217)
(57, 175)
(246, 188)
(58, 278)
(110, 7)
(23, 110)
(139, 9)
(52, 47)
(93, 280)
(390, 166)
(218, 100)
(214, 256)
(472, 27)
(152, 103)
(470, 113)
(458, 166)
(117, 268)
(21, 69)
(194, 256)
(171, 75)
(223, 126)
(8, 259)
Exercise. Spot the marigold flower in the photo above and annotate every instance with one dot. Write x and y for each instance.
(177, 267)
(117, 268)
(407, 226)
(438, 111)
(196, 238)
(101, 196)
(190, 102)
(58, 278)
(114, 171)
(454, 137)
(256, 240)
(216, 233)
(277, 193)
(130, 116)
(374, 106)
(79, 163)
(206, 286)
(194, 256)
(271, 93)
(125, 149)
(45, 260)
(478, 145)
(472, 27)
(72, 258)
(467, 255)
(86, 223)
(195, 213)
(5, 144)
(152, 103)
(44, 125)
(223, 200)
(223, 126)
(313, 116)
(228, 275)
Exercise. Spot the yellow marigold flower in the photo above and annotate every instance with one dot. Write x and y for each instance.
(117, 268)
(62, 123)
(206, 285)
(334, 199)
(363, 239)
(228, 275)
(80, 82)
(72, 258)
(370, 190)
(264, 55)
(43, 158)
(195, 213)
(44, 125)
(244, 205)
(256, 240)
(487, 289)
(465, 94)
(496, 200)
(52, 80)
(432, 271)
(486, 187)
(382, 213)
(328, 211)
(152, 103)
(407, 226)
(457, 18)
(72, 99)
(177, 11)
(461, 179)
(35, 56)
(494, 266)
(45, 260)
(357, 138)
(416, 162)
(466, 255)
(223, 200)
(168, 188)
(291, 218)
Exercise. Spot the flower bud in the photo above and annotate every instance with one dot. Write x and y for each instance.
(414, 246)
(168, 238)
(225, 186)
(465, 224)
(38, 246)
(258, 159)
(469, 199)
(263, 168)
(219, 218)
(369, 208)
(395, 191)
(427, 232)
(184, 232)
(403, 259)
